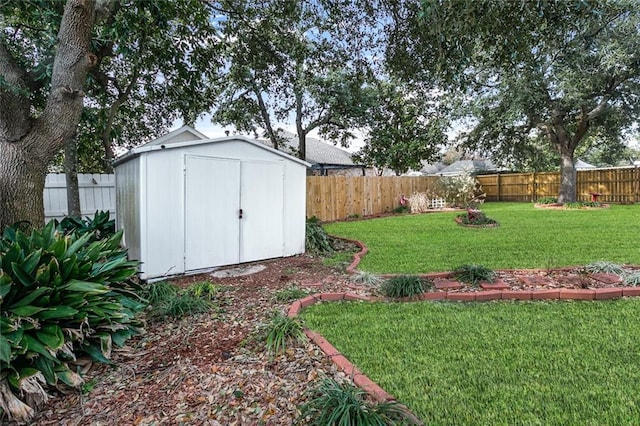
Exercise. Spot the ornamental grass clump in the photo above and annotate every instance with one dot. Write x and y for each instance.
(342, 403)
(605, 267)
(404, 286)
(473, 274)
(317, 240)
(281, 331)
(62, 297)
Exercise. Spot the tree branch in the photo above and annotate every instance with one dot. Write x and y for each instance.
(14, 98)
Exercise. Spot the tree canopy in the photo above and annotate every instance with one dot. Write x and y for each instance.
(555, 70)
(292, 61)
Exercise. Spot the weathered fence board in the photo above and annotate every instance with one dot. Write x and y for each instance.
(338, 197)
(97, 192)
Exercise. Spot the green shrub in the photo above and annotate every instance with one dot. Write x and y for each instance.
(167, 300)
(581, 204)
(473, 274)
(404, 286)
(401, 209)
(281, 331)
(290, 294)
(547, 200)
(317, 240)
(605, 267)
(204, 290)
(100, 225)
(334, 403)
(476, 217)
(61, 297)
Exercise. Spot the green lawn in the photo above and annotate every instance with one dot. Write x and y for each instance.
(498, 363)
(526, 238)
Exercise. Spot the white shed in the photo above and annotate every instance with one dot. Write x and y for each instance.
(188, 203)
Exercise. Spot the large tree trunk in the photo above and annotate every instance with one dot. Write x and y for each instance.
(71, 175)
(568, 178)
(21, 186)
(24, 156)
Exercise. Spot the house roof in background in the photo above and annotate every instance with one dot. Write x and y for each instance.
(583, 165)
(318, 152)
(471, 166)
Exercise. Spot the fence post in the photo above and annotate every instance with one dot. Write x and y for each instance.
(498, 188)
(534, 189)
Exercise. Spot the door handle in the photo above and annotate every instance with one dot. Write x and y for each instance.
(240, 213)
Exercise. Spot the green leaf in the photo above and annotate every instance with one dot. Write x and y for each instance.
(86, 287)
(23, 276)
(51, 336)
(46, 365)
(31, 262)
(78, 244)
(30, 297)
(59, 312)
(95, 353)
(5, 283)
(5, 350)
(59, 247)
(34, 345)
(26, 311)
(43, 274)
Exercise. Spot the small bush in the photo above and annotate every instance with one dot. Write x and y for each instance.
(473, 274)
(547, 200)
(281, 331)
(334, 403)
(290, 294)
(61, 297)
(100, 225)
(404, 286)
(204, 290)
(459, 190)
(367, 278)
(581, 204)
(418, 202)
(317, 240)
(476, 217)
(605, 267)
(167, 300)
(401, 209)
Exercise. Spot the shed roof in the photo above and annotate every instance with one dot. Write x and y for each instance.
(176, 139)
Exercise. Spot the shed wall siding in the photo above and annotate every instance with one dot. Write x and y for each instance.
(128, 202)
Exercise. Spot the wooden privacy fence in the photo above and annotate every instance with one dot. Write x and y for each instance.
(338, 197)
(97, 192)
(617, 185)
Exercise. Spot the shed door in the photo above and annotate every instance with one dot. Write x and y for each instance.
(212, 202)
(262, 201)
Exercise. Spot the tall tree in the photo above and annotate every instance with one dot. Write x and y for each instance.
(291, 60)
(404, 127)
(556, 69)
(145, 63)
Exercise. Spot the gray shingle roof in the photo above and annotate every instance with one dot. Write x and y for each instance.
(318, 152)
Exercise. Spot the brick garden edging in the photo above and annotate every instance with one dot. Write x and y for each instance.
(484, 295)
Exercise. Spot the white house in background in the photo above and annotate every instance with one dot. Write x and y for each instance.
(189, 204)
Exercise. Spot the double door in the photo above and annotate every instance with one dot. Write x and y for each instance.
(233, 211)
